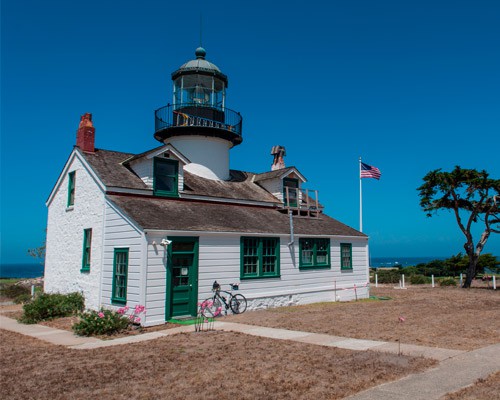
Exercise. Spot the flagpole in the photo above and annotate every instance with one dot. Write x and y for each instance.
(360, 199)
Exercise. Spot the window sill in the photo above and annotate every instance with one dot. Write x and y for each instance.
(70, 208)
(116, 302)
(247, 278)
(164, 194)
(85, 270)
(346, 269)
(312, 267)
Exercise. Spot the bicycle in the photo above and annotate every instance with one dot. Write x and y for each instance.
(212, 306)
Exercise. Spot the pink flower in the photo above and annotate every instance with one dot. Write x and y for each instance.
(121, 311)
(137, 320)
(101, 315)
(131, 318)
(401, 319)
(139, 309)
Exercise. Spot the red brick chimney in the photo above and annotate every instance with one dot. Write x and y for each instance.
(85, 135)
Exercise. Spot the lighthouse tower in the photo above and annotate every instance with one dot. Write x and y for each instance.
(198, 123)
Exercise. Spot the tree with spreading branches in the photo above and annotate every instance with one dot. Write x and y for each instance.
(473, 197)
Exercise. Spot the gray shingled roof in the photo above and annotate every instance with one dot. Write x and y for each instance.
(272, 174)
(182, 214)
(107, 165)
(175, 214)
(239, 187)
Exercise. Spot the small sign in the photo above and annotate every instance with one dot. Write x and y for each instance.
(184, 271)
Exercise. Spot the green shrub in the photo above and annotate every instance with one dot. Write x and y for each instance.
(447, 282)
(13, 291)
(388, 276)
(23, 298)
(418, 280)
(52, 305)
(104, 322)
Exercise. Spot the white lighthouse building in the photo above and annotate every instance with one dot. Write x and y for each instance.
(157, 228)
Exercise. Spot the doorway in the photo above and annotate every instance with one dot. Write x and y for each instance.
(182, 277)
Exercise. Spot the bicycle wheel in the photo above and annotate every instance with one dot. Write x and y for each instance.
(238, 304)
(211, 307)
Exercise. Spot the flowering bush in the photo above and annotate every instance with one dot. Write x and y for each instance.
(107, 322)
(135, 317)
(210, 308)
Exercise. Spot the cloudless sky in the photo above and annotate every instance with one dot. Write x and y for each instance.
(410, 86)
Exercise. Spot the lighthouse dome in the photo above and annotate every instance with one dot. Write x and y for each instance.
(200, 66)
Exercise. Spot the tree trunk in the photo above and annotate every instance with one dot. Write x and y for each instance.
(471, 270)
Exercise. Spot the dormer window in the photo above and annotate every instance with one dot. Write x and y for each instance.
(290, 192)
(166, 177)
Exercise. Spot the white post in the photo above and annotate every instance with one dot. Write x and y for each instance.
(335, 289)
(461, 280)
(494, 283)
(403, 280)
(376, 279)
(360, 199)
(432, 279)
(32, 292)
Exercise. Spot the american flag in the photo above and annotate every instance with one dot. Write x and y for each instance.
(367, 171)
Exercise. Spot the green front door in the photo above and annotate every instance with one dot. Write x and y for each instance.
(182, 277)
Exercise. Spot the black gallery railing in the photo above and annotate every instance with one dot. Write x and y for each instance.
(196, 115)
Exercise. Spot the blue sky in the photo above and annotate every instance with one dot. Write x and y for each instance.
(409, 86)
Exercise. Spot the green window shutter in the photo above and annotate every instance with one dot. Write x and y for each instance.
(120, 275)
(71, 188)
(314, 253)
(165, 177)
(259, 257)
(87, 246)
(345, 256)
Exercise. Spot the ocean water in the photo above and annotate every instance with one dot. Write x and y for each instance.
(381, 262)
(21, 270)
(36, 270)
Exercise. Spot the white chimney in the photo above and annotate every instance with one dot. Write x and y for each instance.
(278, 152)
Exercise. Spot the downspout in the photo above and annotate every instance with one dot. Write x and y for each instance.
(292, 239)
(103, 250)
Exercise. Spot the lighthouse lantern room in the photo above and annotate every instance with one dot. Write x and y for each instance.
(198, 123)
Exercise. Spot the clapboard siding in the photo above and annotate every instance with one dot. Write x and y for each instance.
(121, 233)
(219, 259)
(156, 279)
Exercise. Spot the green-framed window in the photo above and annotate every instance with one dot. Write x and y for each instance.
(165, 177)
(290, 198)
(314, 253)
(120, 275)
(345, 256)
(260, 257)
(87, 245)
(71, 188)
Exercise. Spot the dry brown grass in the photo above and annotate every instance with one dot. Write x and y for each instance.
(209, 365)
(483, 389)
(452, 318)
(223, 365)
